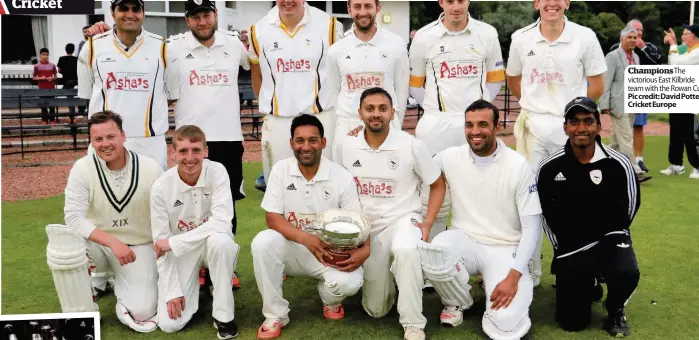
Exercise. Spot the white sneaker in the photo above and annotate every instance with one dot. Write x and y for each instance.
(413, 333)
(452, 316)
(673, 170)
(140, 326)
(695, 174)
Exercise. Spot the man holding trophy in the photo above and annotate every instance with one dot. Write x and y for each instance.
(389, 166)
(313, 212)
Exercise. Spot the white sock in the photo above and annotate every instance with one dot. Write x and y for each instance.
(639, 159)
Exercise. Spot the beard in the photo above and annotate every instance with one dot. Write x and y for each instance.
(367, 27)
(205, 37)
(375, 129)
(308, 159)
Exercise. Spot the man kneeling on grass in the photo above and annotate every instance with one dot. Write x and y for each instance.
(191, 213)
(586, 177)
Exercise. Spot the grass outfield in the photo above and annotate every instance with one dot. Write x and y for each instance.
(665, 234)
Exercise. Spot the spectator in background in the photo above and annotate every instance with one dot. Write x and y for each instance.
(86, 35)
(612, 101)
(68, 68)
(45, 74)
(648, 54)
(683, 126)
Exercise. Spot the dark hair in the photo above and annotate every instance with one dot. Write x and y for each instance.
(373, 91)
(43, 50)
(70, 48)
(349, 2)
(306, 119)
(103, 117)
(482, 104)
(86, 27)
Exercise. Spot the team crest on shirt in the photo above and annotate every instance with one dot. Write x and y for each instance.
(596, 176)
(327, 192)
(393, 162)
(206, 194)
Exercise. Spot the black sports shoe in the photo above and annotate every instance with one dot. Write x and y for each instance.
(616, 325)
(642, 166)
(226, 330)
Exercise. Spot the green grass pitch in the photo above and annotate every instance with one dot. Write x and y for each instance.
(665, 235)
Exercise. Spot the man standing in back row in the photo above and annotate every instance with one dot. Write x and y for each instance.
(551, 62)
(289, 52)
(368, 56)
(123, 70)
(458, 61)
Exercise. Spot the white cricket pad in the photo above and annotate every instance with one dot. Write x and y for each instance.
(447, 273)
(67, 258)
(139, 326)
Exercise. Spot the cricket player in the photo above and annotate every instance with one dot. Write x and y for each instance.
(388, 165)
(191, 210)
(586, 176)
(368, 56)
(107, 201)
(458, 60)
(124, 71)
(495, 226)
(202, 79)
(551, 62)
(289, 68)
(298, 190)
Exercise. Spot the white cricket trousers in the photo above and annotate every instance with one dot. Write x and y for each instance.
(538, 136)
(135, 284)
(273, 255)
(493, 263)
(219, 254)
(276, 134)
(154, 147)
(439, 131)
(394, 254)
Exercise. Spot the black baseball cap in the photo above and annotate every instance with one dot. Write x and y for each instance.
(581, 105)
(122, 2)
(194, 6)
(692, 28)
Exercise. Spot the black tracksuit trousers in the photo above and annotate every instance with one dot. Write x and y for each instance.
(613, 257)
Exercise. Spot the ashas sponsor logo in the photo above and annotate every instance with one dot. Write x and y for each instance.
(546, 77)
(128, 82)
(192, 223)
(291, 65)
(375, 187)
(204, 77)
(458, 69)
(363, 81)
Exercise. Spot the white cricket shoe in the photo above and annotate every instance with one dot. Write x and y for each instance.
(694, 174)
(452, 316)
(139, 326)
(673, 170)
(413, 333)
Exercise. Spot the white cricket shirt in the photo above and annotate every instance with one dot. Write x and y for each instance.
(187, 215)
(691, 57)
(128, 81)
(355, 66)
(388, 178)
(294, 64)
(487, 204)
(300, 201)
(554, 73)
(454, 67)
(205, 82)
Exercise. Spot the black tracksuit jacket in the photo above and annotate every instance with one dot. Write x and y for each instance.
(581, 203)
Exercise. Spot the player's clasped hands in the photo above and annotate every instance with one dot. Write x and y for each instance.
(161, 247)
(123, 253)
(356, 259)
(175, 307)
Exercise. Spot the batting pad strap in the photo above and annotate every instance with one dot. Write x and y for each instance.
(445, 270)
